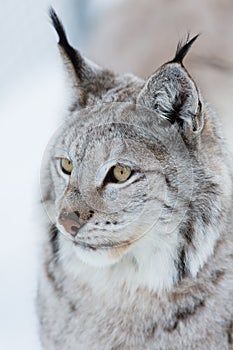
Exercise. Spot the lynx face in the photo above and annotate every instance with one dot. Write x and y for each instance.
(112, 167)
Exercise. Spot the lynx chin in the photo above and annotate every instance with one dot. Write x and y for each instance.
(138, 241)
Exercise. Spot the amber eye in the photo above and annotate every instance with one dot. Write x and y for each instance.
(66, 166)
(121, 173)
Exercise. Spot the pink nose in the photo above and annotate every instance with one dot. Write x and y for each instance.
(71, 222)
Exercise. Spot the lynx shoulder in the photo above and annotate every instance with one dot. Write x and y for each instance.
(138, 187)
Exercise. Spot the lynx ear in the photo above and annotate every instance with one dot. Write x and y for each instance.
(173, 94)
(87, 78)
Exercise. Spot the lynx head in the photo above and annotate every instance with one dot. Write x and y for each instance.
(128, 175)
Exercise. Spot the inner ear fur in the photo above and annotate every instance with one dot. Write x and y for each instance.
(173, 94)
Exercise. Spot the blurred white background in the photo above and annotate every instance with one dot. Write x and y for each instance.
(121, 34)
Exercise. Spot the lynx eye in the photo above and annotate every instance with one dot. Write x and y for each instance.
(118, 174)
(66, 166)
(121, 173)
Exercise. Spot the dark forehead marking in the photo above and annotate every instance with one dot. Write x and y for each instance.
(124, 131)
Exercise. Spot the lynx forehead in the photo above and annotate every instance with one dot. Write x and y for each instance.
(137, 185)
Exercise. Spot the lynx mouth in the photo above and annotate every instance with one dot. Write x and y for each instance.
(107, 245)
(104, 246)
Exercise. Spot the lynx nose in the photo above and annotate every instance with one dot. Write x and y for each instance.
(71, 222)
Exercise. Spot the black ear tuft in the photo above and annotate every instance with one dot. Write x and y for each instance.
(87, 79)
(182, 49)
(59, 28)
(71, 55)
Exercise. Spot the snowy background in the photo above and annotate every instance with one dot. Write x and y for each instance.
(32, 99)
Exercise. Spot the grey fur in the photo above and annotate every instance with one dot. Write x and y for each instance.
(156, 273)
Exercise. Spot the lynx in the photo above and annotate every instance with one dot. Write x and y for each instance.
(138, 244)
